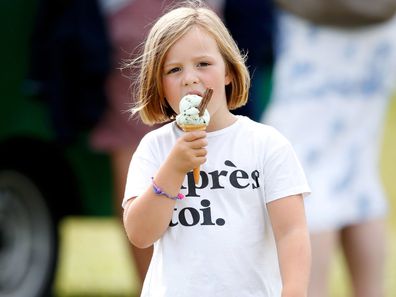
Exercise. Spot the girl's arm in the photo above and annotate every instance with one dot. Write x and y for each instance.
(292, 238)
(147, 217)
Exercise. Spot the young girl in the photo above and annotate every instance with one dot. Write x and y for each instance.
(242, 230)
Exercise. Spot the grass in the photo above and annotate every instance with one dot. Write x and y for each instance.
(95, 260)
(388, 167)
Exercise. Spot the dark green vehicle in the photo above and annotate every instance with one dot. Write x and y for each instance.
(41, 179)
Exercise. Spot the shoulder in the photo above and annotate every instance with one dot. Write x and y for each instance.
(263, 133)
(163, 134)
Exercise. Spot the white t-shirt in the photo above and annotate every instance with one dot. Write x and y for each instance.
(220, 240)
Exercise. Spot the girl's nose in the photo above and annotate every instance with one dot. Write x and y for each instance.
(190, 77)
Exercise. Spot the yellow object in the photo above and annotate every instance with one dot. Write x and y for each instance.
(94, 259)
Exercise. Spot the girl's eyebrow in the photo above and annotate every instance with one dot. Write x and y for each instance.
(172, 63)
(203, 57)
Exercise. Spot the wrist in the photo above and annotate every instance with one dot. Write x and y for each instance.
(175, 168)
(168, 180)
(159, 191)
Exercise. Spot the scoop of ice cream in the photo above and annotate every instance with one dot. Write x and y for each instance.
(189, 113)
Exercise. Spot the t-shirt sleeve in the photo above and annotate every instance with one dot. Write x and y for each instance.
(284, 175)
(142, 167)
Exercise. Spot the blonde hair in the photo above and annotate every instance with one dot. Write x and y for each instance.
(151, 103)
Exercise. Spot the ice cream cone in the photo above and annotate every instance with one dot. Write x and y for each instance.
(194, 116)
(190, 128)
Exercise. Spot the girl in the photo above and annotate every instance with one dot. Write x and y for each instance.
(242, 231)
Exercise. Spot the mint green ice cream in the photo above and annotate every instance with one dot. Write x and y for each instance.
(189, 113)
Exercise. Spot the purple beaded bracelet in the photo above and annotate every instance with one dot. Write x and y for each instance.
(157, 190)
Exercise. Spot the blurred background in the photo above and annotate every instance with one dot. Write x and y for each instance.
(59, 232)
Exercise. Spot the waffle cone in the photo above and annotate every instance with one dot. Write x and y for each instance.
(190, 128)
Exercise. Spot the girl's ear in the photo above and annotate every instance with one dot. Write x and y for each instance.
(228, 77)
(228, 74)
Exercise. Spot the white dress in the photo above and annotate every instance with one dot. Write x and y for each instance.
(331, 91)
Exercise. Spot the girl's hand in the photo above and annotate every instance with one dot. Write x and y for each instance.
(189, 152)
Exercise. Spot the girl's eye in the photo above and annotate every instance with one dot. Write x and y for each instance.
(203, 64)
(173, 70)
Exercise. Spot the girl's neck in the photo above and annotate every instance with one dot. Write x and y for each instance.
(221, 121)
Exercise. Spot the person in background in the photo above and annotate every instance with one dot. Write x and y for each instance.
(332, 86)
(251, 24)
(242, 230)
(69, 63)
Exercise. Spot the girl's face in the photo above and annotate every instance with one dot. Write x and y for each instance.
(193, 64)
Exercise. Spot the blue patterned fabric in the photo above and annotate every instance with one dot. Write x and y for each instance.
(331, 91)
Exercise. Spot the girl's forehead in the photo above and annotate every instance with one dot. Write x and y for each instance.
(199, 32)
(196, 38)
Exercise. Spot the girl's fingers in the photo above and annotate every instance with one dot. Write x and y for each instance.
(200, 152)
(199, 143)
(200, 160)
(190, 151)
(195, 140)
(191, 136)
